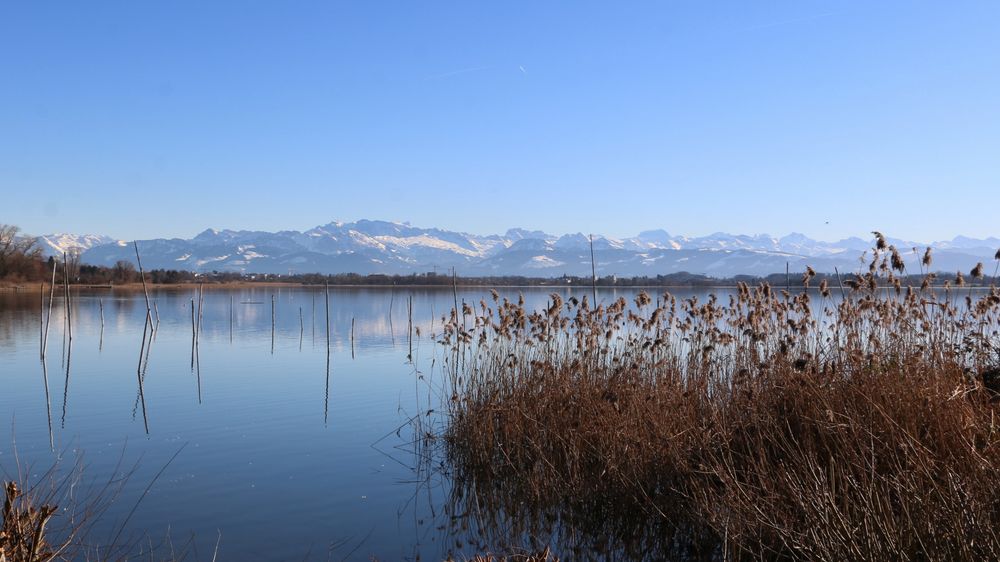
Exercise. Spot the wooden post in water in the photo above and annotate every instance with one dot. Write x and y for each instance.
(593, 270)
(69, 310)
(843, 294)
(352, 337)
(142, 277)
(409, 325)
(302, 329)
(194, 335)
(454, 293)
(392, 301)
(100, 344)
(48, 318)
(327, 294)
(41, 321)
(201, 309)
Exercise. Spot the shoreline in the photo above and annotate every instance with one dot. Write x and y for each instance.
(35, 288)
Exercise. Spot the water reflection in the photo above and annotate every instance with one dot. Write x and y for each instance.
(358, 464)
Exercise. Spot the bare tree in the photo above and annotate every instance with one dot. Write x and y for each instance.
(73, 262)
(18, 254)
(123, 271)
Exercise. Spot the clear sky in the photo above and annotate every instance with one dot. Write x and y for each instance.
(157, 119)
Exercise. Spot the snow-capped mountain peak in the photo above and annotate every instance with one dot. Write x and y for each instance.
(373, 246)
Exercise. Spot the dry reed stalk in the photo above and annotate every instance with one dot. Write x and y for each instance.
(771, 427)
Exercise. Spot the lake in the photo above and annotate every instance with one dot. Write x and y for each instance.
(277, 458)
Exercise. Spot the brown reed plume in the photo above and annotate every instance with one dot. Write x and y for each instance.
(772, 426)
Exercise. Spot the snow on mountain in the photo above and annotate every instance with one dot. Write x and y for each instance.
(369, 246)
(57, 244)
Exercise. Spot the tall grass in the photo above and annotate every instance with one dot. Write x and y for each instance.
(855, 422)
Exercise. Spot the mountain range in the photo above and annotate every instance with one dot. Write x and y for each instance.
(369, 246)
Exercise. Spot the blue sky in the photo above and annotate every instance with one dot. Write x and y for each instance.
(158, 119)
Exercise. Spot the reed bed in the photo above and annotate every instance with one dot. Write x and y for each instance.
(856, 422)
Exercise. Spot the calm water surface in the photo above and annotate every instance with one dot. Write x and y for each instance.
(282, 453)
(281, 457)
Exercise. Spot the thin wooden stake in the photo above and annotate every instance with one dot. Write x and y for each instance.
(352, 337)
(41, 321)
(327, 293)
(593, 270)
(201, 309)
(142, 277)
(100, 344)
(454, 293)
(843, 294)
(48, 318)
(69, 309)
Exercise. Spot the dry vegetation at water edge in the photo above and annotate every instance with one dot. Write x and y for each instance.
(855, 422)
